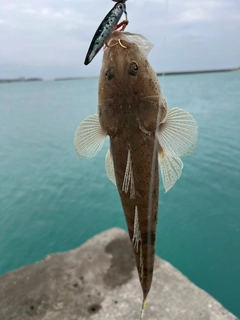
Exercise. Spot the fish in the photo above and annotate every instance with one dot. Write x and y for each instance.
(106, 27)
(144, 136)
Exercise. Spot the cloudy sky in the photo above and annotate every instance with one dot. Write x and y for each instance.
(50, 38)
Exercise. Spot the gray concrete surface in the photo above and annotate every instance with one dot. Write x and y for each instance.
(99, 281)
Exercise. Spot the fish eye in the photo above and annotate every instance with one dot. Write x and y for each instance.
(120, 6)
(109, 73)
(133, 68)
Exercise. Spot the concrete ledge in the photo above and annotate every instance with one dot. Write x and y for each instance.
(99, 281)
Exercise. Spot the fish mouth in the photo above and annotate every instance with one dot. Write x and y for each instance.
(117, 39)
(128, 39)
(115, 44)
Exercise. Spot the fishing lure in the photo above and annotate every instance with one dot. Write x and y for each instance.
(106, 27)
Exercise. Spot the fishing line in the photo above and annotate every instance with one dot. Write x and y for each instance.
(154, 159)
(164, 42)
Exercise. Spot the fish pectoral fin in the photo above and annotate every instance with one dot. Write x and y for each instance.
(177, 137)
(110, 167)
(171, 169)
(89, 137)
(178, 134)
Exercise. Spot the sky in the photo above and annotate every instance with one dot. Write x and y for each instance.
(50, 38)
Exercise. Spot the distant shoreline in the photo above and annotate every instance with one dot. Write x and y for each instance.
(22, 79)
(73, 78)
(173, 73)
(170, 73)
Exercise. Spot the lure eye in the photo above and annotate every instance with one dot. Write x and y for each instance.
(133, 68)
(109, 73)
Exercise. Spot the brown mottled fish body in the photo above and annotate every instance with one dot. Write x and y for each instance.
(129, 106)
(139, 204)
(144, 135)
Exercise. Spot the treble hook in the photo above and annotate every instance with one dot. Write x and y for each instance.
(113, 45)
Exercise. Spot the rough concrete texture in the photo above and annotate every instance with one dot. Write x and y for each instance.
(99, 281)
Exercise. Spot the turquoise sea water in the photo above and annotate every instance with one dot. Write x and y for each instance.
(50, 200)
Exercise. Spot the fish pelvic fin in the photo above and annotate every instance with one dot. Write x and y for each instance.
(89, 137)
(110, 167)
(171, 169)
(177, 137)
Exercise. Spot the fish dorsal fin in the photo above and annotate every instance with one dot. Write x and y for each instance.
(177, 137)
(110, 167)
(178, 134)
(89, 137)
(128, 181)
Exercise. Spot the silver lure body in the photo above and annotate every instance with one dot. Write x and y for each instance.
(105, 29)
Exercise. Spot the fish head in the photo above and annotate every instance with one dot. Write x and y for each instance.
(125, 68)
(127, 80)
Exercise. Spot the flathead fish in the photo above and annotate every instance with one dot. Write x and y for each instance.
(105, 29)
(143, 133)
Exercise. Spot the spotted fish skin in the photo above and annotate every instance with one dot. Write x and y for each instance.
(130, 118)
(136, 208)
(144, 136)
(104, 30)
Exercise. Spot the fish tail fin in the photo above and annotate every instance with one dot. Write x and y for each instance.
(144, 304)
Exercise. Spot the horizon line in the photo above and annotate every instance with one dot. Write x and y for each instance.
(167, 73)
